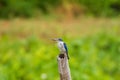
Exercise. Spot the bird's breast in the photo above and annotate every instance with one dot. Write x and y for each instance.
(61, 46)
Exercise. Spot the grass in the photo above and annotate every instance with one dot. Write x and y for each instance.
(27, 52)
(57, 27)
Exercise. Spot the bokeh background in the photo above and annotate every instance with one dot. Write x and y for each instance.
(91, 29)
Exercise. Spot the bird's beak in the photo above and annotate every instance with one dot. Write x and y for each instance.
(54, 39)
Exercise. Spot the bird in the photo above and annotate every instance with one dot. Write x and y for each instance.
(62, 46)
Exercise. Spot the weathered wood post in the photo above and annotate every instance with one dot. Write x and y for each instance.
(63, 67)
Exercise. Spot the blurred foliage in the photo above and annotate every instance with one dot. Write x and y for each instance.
(92, 58)
(28, 8)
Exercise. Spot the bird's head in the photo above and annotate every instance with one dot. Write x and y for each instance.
(57, 39)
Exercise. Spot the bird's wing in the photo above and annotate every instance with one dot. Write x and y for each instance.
(66, 50)
(65, 47)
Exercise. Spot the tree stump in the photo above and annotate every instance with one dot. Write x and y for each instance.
(63, 67)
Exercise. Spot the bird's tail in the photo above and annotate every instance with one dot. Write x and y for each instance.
(67, 55)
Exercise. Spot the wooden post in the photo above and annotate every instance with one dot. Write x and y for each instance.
(63, 67)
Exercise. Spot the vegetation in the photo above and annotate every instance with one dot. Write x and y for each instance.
(28, 8)
(96, 57)
(27, 53)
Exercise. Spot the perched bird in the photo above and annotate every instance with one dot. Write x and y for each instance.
(62, 46)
